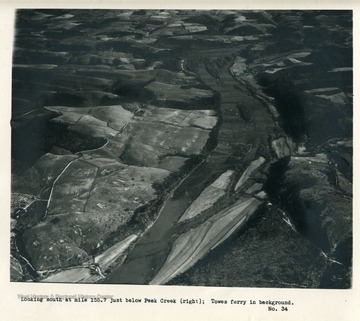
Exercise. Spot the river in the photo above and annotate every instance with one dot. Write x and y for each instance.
(150, 252)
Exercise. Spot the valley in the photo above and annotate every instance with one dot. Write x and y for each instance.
(182, 147)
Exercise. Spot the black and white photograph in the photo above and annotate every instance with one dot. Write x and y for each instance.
(183, 148)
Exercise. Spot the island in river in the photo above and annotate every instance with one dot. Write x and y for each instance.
(182, 147)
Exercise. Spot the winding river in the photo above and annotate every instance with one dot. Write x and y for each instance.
(151, 251)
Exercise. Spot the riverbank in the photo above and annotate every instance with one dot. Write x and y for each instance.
(123, 123)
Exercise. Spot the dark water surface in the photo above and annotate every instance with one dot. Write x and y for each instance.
(150, 253)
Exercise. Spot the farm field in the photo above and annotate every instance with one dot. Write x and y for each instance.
(182, 147)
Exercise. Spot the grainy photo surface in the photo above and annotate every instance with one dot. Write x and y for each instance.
(182, 147)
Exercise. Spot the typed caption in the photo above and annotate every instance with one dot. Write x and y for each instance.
(271, 305)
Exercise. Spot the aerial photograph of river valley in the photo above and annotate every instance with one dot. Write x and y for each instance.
(182, 147)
